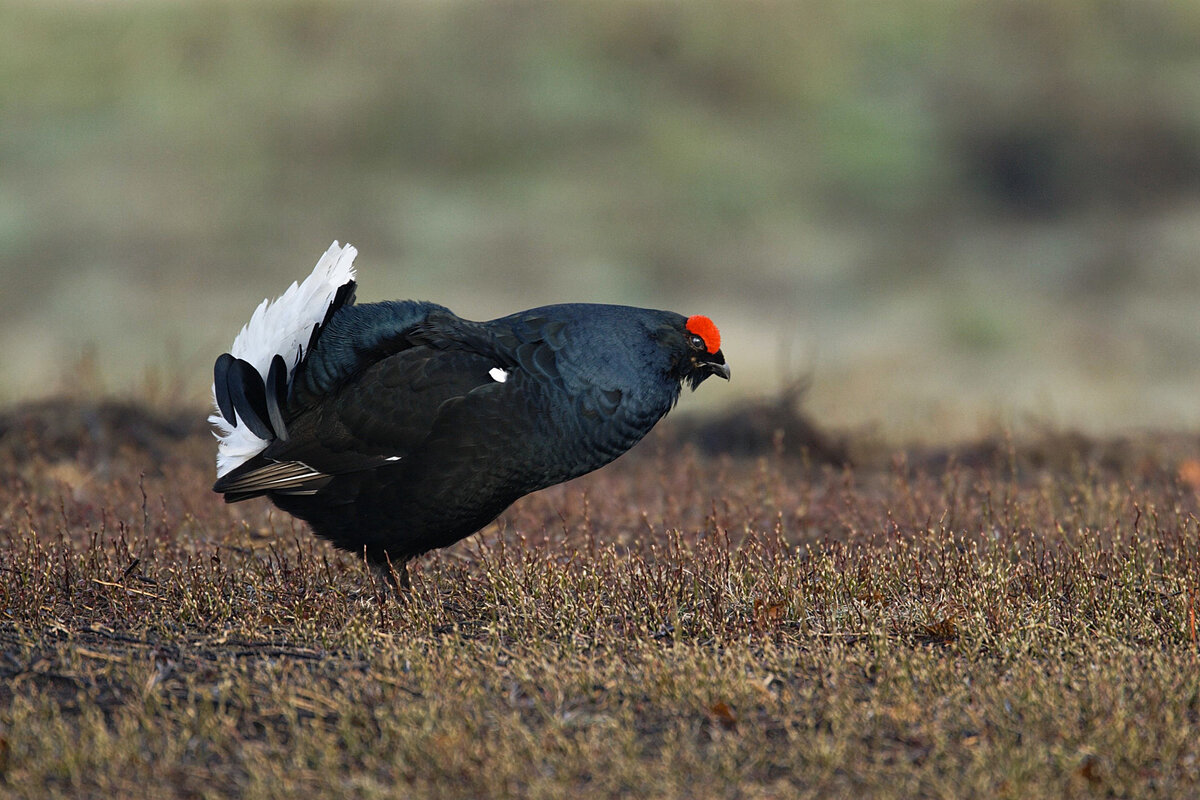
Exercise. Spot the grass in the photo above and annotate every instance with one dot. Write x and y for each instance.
(1001, 619)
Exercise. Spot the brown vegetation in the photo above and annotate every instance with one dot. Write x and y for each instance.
(1008, 619)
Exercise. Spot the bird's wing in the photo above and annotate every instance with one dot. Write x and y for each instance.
(375, 419)
(356, 338)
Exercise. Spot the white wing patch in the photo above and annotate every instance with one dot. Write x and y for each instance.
(281, 327)
(498, 375)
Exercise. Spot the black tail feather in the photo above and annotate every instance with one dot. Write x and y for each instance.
(277, 387)
(221, 387)
(343, 297)
(249, 397)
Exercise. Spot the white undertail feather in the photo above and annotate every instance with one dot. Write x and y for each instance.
(280, 327)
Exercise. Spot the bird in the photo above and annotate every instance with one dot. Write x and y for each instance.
(394, 428)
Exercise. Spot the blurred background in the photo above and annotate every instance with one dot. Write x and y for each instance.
(946, 216)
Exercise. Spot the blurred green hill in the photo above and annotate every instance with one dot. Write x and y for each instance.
(947, 213)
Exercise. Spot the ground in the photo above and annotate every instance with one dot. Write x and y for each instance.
(1009, 617)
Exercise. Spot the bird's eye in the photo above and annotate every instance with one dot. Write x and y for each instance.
(696, 342)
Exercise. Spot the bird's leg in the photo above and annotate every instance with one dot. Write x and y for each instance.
(394, 576)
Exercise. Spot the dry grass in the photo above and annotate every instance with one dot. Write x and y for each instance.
(1000, 620)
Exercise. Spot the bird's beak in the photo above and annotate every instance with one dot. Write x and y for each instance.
(718, 366)
(701, 368)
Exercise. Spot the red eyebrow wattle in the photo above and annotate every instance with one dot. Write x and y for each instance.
(706, 329)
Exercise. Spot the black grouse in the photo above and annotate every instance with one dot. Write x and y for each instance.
(395, 428)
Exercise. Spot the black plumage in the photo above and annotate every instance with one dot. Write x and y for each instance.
(402, 427)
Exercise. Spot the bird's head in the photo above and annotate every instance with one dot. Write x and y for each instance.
(703, 344)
